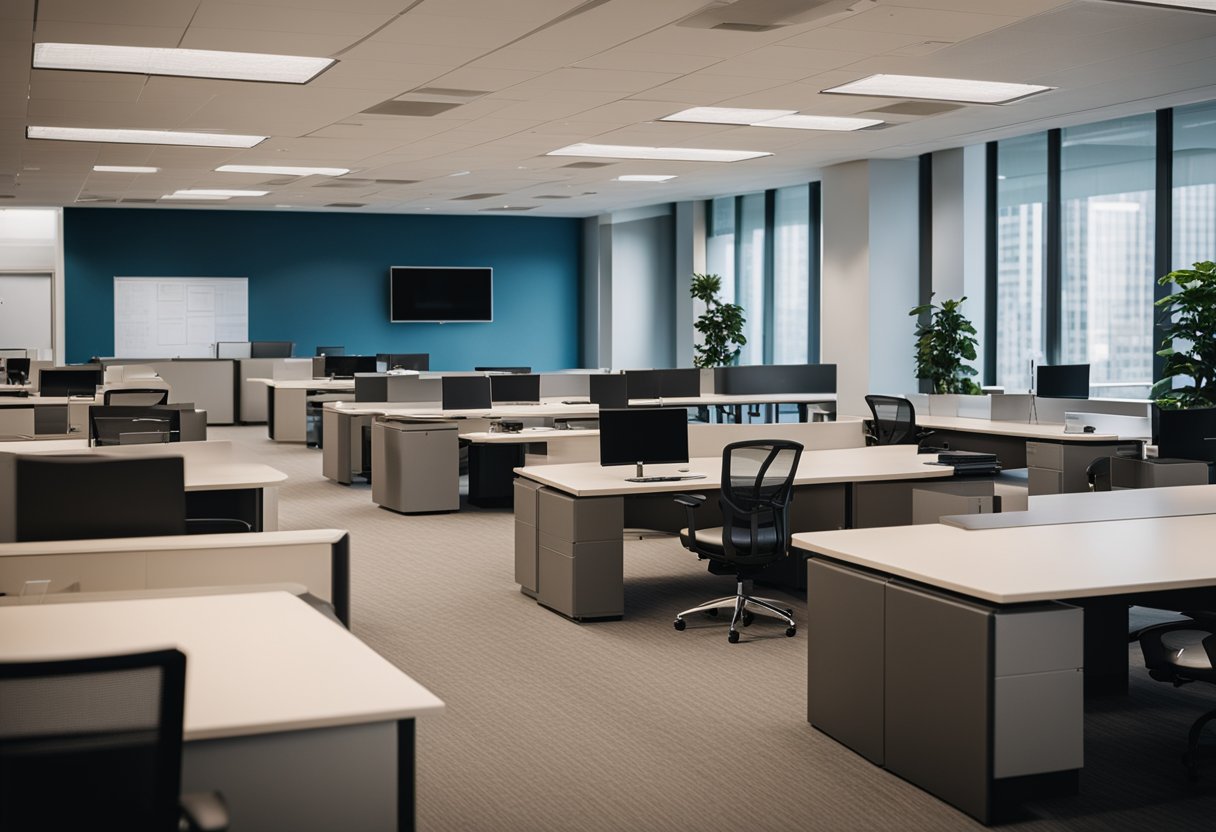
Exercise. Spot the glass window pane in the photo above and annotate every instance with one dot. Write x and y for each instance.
(1194, 185)
(1021, 258)
(791, 274)
(749, 289)
(720, 244)
(1107, 192)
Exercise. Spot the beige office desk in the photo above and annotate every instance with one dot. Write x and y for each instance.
(959, 659)
(297, 722)
(569, 519)
(45, 414)
(287, 403)
(1130, 504)
(209, 466)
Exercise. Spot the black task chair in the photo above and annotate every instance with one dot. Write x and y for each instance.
(96, 743)
(136, 396)
(893, 422)
(757, 489)
(1181, 652)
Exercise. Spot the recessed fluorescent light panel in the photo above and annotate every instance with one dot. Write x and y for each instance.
(124, 169)
(192, 63)
(283, 170)
(663, 154)
(833, 123)
(221, 193)
(1190, 5)
(646, 177)
(193, 197)
(726, 115)
(95, 134)
(938, 89)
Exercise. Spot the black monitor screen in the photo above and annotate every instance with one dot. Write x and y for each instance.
(17, 370)
(271, 349)
(609, 390)
(133, 425)
(466, 393)
(420, 361)
(1063, 381)
(643, 434)
(440, 294)
(345, 366)
(520, 370)
(69, 381)
(1187, 434)
(679, 384)
(643, 384)
(515, 388)
(331, 350)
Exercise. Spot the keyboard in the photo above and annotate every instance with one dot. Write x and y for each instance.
(671, 478)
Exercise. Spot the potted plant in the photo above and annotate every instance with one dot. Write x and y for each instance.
(720, 325)
(1188, 321)
(945, 339)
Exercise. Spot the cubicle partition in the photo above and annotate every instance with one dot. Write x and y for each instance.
(209, 383)
(763, 379)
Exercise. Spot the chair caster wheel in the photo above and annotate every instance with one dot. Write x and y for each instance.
(679, 624)
(791, 631)
(747, 618)
(733, 638)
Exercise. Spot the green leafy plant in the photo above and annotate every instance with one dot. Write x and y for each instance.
(720, 325)
(944, 340)
(1188, 320)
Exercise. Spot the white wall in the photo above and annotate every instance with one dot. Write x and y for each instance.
(894, 274)
(31, 240)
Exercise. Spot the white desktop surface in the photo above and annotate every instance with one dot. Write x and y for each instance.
(590, 479)
(339, 384)
(1097, 506)
(1027, 430)
(1034, 563)
(256, 663)
(528, 435)
(34, 400)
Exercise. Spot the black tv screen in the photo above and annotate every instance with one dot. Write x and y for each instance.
(439, 294)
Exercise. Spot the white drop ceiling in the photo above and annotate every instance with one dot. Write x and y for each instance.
(531, 76)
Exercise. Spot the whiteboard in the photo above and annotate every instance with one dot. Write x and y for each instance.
(178, 317)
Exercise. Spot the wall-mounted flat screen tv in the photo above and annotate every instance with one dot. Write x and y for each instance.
(441, 294)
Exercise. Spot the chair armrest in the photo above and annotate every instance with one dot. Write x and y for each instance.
(204, 812)
(216, 525)
(690, 500)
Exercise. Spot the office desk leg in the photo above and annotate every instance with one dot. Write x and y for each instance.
(1106, 627)
(406, 806)
(270, 411)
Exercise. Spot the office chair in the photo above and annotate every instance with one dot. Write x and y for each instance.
(1182, 652)
(757, 489)
(133, 425)
(894, 422)
(136, 396)
(17, 370)
(1097, 474)
(97, 743)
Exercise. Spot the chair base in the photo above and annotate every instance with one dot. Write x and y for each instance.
(1196, 750)
(743, 604)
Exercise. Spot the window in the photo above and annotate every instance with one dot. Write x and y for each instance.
(1021, 227)
(720, 243)
(749, 287)
(1194, 196)
(791, 274)
(1107, 187)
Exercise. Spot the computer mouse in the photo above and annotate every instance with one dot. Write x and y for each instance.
(1089, 429)
(684, 470)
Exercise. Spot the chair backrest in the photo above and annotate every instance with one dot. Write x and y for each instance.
(757, 490)
(81, 496)
(17, 370)
(136, 396)
(894, 420)
(85, 743)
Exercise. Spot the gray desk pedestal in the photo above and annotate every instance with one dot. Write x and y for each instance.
(415, 465)
(969, 701)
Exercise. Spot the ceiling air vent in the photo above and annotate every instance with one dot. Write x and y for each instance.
(588, 165)
(473, 196)
(916, 108)
(553, 196)
(511, 208)
(346, 205)
(766, 15)
(392, 107)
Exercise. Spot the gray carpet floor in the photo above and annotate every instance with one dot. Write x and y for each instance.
(552, 725)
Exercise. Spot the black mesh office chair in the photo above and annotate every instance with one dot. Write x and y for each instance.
(757, 489)
(1181, 652)
(893, 422)
(136, 396)
(96, 743)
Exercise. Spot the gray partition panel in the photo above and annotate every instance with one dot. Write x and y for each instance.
(761, 380)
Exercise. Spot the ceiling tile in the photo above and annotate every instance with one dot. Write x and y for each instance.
(215, 14)
(174, 13)
(926, 23)
(52, 31)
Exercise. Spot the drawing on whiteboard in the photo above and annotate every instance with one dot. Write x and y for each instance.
(178, 317)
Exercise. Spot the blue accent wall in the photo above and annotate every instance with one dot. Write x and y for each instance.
(322, 278)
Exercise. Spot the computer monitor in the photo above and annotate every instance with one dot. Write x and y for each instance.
(17, 370)
(69, 381)
(133, 425)
(643, 384)
(641, 435)
(503, 369)
(1062, 381)
(679, 384)
(515, 388)
(420, 361)
(271, 349)
(345, 366)
(609, 390)
(1186, 434)
(466, 393)
(331, 350)
(233, 349)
